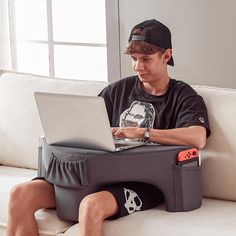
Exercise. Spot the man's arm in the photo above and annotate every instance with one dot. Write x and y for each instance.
(192, 136)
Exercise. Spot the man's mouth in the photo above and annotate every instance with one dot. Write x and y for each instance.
(142, 74)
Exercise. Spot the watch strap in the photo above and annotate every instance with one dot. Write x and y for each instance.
(146, 135)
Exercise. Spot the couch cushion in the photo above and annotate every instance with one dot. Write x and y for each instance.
(9, 177)
(215, 217)
(219, 156)
(20, 126)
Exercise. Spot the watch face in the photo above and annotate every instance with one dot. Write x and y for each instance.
(146, 134)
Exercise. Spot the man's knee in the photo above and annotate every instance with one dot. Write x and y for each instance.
(90, 208)
(31, 196)
(19, 197)
(97, 206)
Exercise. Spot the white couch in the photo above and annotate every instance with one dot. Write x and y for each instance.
(20, 130)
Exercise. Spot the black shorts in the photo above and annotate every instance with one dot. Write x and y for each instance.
(134, 196)
(39, 178)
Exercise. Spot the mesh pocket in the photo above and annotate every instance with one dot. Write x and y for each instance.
(188, 187)
(67, 173)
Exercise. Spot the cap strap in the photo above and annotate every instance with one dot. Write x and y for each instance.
(138, 38)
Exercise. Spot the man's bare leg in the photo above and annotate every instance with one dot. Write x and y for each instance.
(94, 208)
(25, 199)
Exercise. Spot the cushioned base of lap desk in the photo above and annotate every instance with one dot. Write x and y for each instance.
(77, 172)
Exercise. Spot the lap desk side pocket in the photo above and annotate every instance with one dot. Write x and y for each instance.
(77, 172)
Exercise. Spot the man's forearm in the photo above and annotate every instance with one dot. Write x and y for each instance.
(193, 136)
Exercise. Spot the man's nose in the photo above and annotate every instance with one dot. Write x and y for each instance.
(138, 65)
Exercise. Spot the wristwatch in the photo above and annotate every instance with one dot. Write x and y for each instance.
(146, 135)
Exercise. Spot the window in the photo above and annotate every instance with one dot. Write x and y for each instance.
(67, 38)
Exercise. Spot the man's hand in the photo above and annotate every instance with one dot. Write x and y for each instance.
(128, 132)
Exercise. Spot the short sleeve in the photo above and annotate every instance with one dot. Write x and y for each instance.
(193, 111)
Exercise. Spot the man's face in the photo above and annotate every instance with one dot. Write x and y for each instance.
(149, 68)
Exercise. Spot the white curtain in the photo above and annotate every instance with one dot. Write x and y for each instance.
(7, 33)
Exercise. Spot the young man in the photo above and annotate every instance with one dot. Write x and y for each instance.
(148, 106)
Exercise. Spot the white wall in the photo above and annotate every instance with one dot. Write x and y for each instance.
(203, 37)
(5, 56)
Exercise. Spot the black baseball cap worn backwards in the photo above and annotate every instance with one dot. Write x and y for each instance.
(155, 33)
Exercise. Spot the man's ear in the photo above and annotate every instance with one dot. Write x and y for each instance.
(167, 55)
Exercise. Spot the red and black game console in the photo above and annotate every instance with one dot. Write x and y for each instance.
(189, 157)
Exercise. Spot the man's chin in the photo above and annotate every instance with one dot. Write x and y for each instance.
(143, 78)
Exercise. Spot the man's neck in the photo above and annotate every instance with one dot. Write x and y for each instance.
(157, 88)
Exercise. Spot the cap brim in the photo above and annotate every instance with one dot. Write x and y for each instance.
(171, 61)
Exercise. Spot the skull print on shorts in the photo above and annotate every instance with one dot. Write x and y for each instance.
(133, 202)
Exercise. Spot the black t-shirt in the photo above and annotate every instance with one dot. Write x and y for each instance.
(128, 104)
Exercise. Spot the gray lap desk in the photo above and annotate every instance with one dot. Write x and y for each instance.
(77, 172)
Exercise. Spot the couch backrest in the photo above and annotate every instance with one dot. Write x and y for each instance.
(219, 156)
(20, 127)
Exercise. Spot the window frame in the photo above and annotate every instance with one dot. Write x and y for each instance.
(112, 45)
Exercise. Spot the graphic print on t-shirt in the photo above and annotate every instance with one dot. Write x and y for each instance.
(139, 114)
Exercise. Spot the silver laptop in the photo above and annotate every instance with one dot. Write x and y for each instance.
(77, 121)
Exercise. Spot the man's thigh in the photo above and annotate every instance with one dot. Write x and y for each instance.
(134, 196)
(40, 193)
